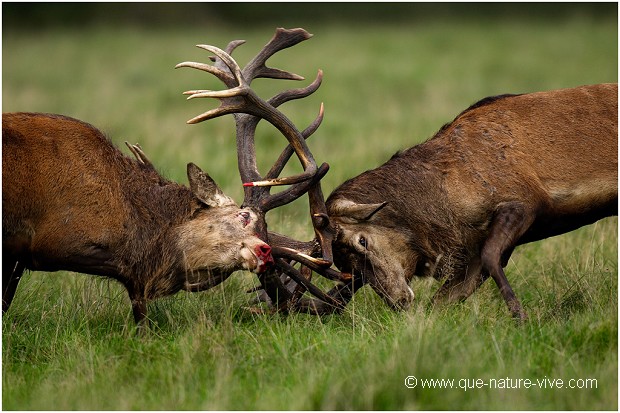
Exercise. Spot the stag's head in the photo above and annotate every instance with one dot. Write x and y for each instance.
(367, 247)
(220, 237)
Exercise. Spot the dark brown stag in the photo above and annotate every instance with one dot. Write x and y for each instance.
(248, 109)
(509, 170)
(72, 201)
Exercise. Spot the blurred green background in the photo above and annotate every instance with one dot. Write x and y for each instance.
(393, 74)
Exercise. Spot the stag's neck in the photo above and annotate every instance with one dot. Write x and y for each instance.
(418, 205)
(155, 207)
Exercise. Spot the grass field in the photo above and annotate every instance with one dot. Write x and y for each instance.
(68, 342)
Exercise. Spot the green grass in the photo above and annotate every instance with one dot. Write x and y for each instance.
(68, 342)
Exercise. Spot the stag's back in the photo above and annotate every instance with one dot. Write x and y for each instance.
(559, 146)
(62, 185)
(48, 158)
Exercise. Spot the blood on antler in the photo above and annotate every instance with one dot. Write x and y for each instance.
(248, 109)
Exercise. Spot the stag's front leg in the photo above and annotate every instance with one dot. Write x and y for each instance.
(12, 271)
(510, 222)
(460, 286)
(138, 306)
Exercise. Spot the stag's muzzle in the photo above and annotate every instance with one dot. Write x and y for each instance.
(263, 257)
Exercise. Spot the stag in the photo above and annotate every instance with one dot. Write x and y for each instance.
(508, 170)
(72, 201)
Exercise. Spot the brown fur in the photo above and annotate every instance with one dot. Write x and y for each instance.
(72, 201)
(508, 170)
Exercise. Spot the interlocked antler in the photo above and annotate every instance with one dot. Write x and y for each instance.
(248, 109)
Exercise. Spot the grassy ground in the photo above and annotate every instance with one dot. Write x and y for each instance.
(67, 341)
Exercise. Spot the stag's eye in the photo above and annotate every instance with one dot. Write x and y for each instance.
(245, 218)
(362, 241)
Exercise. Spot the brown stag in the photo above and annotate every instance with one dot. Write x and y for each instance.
(72, 201)
(508, 170)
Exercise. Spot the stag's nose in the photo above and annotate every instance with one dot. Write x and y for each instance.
(263, 253)
(264, 250)
(403, 303)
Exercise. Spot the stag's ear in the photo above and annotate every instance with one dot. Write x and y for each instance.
(205, 189)
(353, 211)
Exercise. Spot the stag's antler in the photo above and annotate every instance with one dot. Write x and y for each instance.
(248, 108)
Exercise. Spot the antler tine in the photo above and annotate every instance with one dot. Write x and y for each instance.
(315, 124)
(220, 74)
(300, 279)
(226, 68)
(282, 39)
(315, 264)
(141, 157)
(286, 154)
(233, 45)
(323, 229)
(294, 192)
(292, 94)
(227, 59)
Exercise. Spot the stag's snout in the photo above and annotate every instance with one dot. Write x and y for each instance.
(392, 288)
(403, 301)
(257, 257)
(263, 257)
